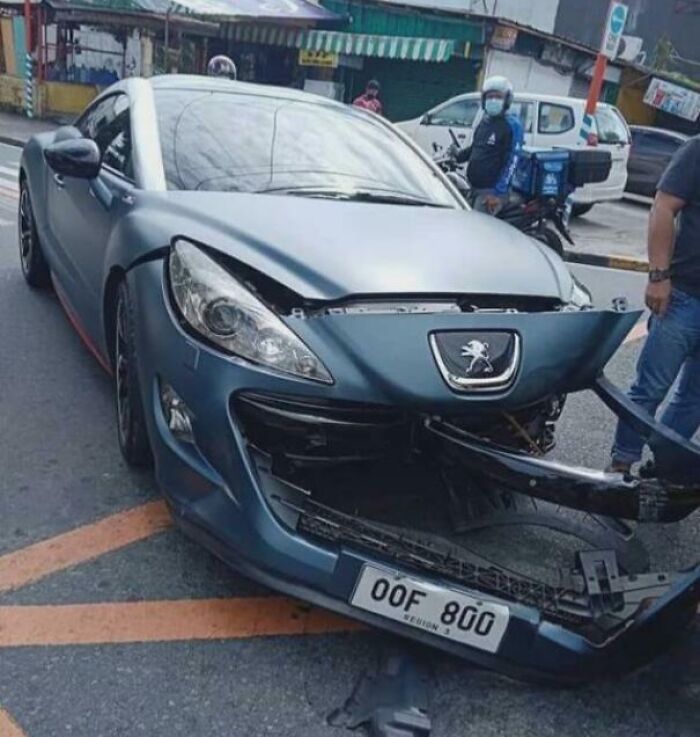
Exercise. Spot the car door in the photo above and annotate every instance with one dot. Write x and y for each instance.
(524, 110)
(661, 149)
(84, 211)
(456, 117)
(614, 136)
(638, 164)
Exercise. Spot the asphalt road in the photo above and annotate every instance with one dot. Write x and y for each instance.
(61, 470)
(613, 229)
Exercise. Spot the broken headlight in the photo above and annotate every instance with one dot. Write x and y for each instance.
(579, 299)
(219, 308)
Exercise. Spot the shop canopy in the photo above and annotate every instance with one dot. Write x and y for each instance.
(351, 44)
(221, 10)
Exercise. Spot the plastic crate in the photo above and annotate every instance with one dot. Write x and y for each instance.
(589, 166)
(542, 173)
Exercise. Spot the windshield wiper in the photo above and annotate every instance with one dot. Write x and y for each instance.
(358, 195)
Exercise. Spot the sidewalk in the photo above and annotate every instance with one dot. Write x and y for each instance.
(17, 129)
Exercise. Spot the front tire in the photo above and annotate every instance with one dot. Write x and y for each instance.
(34, 267)
(578, 210)
(551, 239)
(131, 420)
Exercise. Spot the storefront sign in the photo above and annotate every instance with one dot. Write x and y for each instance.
(504, 38)
(674, 99)
(317, 59)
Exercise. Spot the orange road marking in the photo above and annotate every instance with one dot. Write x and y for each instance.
(8, 727)
(85, 543)
(638, 332)
(164, 621)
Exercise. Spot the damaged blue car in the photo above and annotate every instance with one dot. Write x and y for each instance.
(333, 365)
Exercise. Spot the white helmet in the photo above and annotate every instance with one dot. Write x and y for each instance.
(498, 84)
(221, 66)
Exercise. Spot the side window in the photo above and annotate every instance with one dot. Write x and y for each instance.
(661, 145)
(108, 124)
(117, 154)
(555, 119)
(96, 117)
(461, 113)
(526, 112)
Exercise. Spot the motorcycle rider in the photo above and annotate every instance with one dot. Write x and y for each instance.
(493, 154)
(221, 66)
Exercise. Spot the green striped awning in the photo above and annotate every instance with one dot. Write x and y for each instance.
(351, 44)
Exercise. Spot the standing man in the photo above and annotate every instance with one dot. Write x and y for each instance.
(370, 99)
(673, 295)
(493, 154)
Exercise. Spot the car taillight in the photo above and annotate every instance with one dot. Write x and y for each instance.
(592, 139)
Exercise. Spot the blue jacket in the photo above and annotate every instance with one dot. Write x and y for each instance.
(493, 154)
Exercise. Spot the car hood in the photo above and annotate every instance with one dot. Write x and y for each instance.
(327, 249)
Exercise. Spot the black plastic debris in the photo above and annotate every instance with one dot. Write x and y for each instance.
(390, 703)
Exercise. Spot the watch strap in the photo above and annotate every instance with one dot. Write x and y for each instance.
(659, 275)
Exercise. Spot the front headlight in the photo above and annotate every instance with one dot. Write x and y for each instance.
(580, 298)
(220, 309)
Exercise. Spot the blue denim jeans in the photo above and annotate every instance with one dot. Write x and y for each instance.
(672, 348)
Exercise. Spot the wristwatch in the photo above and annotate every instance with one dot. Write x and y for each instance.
(659, 275)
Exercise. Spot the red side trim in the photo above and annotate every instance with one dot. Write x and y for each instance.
(73, 319)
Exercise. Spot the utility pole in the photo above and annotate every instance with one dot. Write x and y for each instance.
(28, 61)
(615, 21)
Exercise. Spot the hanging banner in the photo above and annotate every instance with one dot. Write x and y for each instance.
(673, 99)
(317, 59)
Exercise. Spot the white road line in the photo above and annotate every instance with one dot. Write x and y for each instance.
(4, 223)
(12, 171)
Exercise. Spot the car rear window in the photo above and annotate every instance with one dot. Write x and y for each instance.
(235, 142)
(611, 126)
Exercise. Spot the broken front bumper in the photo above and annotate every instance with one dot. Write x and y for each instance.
(669, 498)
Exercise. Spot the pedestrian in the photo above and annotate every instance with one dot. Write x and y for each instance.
(369, 100)
(493, 154)
(672, 348)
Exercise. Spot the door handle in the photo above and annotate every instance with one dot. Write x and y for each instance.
(60, 182)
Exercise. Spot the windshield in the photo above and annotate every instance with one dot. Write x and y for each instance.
(229, 142)
(611, 126)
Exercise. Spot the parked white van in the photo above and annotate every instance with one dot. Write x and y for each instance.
(548, 121)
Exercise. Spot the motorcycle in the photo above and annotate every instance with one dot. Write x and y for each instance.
(544, 218)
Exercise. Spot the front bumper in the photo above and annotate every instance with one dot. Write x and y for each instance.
(216, 493)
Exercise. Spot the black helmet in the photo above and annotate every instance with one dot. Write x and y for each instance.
(498, 84)
(221, 66)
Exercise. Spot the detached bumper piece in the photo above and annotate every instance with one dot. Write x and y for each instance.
(600, 621)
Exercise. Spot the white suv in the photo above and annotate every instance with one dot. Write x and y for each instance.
(548, 122)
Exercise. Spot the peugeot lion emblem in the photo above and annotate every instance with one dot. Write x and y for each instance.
(478, 355)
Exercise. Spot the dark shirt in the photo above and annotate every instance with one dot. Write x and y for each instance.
(682, 180)
(493, 153)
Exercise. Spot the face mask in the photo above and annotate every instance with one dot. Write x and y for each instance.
(494, 107)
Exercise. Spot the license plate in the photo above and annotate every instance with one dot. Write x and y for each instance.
(431, 608)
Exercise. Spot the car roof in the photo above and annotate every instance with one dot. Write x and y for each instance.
(536, 96)
(663, 131)
(219, 84)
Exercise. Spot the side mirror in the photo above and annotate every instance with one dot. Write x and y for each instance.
(66, 132)
(74, 157)
(427, 119)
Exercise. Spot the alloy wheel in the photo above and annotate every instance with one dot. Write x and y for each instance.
(121, 373)
(26, 231)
